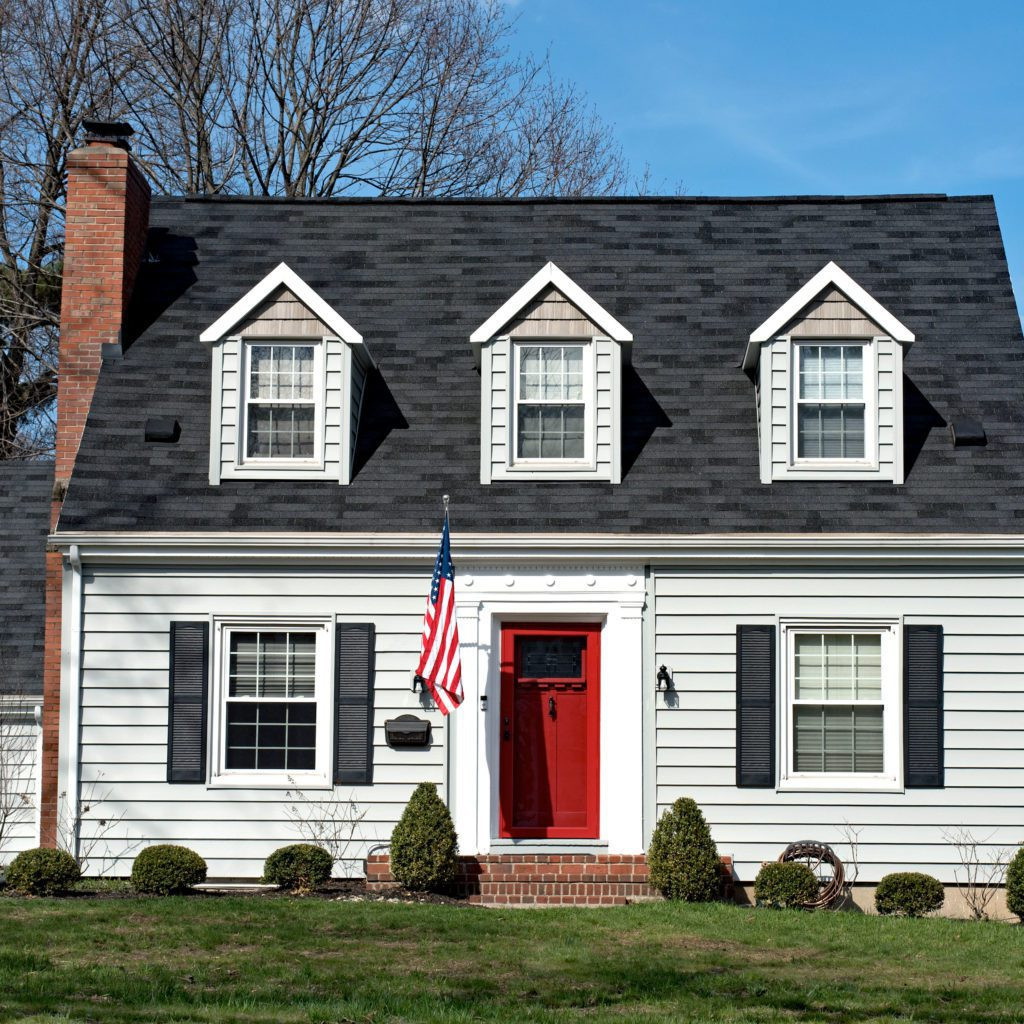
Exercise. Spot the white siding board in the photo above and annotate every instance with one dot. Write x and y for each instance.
(695, 615)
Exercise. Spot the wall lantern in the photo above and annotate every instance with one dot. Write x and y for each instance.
(665, 679)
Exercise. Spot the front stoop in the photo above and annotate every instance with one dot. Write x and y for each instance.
(525, 879)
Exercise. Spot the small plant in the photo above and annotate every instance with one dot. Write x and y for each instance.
(909, 894)
(789, 884)
(165, 869)
(1015, 884)
(43, 872)
(982, 869)
(300, 867)
(683, 859)
(424, 844)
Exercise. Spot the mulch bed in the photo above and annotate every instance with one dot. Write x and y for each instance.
(352, 890)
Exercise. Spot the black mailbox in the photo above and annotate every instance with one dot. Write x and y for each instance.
(407, 731)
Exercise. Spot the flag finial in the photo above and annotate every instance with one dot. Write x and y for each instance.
(446, 498)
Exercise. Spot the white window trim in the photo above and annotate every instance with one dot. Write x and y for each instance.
(244, 461)
(868, 464)
(888, 781)
(554, 467)
(321, 777)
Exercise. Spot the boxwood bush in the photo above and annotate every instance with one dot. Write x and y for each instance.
(164, 869)
(1015, 884)
(424, 844)
(300, 867)
(683, 859)
(788, 884)
(43, 872)
(909, 894)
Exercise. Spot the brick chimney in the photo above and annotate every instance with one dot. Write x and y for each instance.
(106, 220)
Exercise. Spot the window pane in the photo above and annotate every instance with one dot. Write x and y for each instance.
(555, 658)
(832, 371)
(280, 432)
(830, 432)
(272, 664)
(551, 373)
(830, 738)
(281, 371)
(550, 432)
(838, 666)
(271, 736)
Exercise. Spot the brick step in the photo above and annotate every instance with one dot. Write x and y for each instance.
(524, 879)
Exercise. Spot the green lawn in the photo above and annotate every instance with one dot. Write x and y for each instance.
(277, 960)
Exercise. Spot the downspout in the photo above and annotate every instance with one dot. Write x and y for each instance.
(74, 691)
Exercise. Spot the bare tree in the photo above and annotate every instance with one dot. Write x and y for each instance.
(300, 98)
(330, 821)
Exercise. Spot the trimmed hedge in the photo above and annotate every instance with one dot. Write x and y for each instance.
(164, 869)
(1015, 884)
(683, 859)
(43, 872)
(424, 844)
(300, 867)
(788, 884)
(909, 894)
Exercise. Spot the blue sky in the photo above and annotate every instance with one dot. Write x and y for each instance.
(765, 98)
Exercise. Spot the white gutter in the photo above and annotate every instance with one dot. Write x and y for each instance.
(477, 548)
(71, 684)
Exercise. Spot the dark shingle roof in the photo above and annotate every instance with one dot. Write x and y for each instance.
(691, 278)
(25, 514)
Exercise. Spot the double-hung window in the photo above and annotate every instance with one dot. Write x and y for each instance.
(274, 701)
(841, 713)
(282, 402)
(551, 405)
(830, 402)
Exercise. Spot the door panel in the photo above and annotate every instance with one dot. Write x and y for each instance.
(550, 730)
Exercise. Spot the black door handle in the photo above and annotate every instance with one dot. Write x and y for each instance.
(506, 735)
(551, 706)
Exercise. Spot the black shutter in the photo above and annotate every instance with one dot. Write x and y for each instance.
(923, 746)
(755, 705)
(353, 703)
(187, 701)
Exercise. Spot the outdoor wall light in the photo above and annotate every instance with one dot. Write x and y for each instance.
(665, 679)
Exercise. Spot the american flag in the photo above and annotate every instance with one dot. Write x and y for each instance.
(440, 667)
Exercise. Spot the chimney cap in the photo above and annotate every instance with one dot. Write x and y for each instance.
(117, 132)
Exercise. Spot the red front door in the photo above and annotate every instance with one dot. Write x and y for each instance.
(550, 676)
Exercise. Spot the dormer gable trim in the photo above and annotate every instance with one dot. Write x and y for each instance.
(547, 276)
(830, 274)
(283, 276)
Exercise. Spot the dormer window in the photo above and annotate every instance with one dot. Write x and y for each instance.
(551, 396)
(829, 403)
(289, 375)
(551, 409)
(828, 366)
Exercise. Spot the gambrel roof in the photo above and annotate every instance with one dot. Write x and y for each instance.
(692, 278)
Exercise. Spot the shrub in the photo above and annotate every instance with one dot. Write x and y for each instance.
(424, 843)
(788, 884)
(909, 893)
(43, 872)
(683, 859)
(301, 867)
(165, 869)
(1015, 884)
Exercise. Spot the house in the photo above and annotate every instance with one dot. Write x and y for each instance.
(736, 491)
(25, 493)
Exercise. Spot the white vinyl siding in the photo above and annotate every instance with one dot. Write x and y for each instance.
(20, 743)
(695, 615)
(126, 620)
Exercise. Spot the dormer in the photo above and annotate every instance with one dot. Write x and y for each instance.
(289, 374)
(828, 366)
(550, 364)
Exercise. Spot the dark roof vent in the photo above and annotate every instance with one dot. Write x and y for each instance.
(163, 429)
(110, 351)
(117, 133)
(967, 433)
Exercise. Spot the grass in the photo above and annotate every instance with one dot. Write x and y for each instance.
(312, 961)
